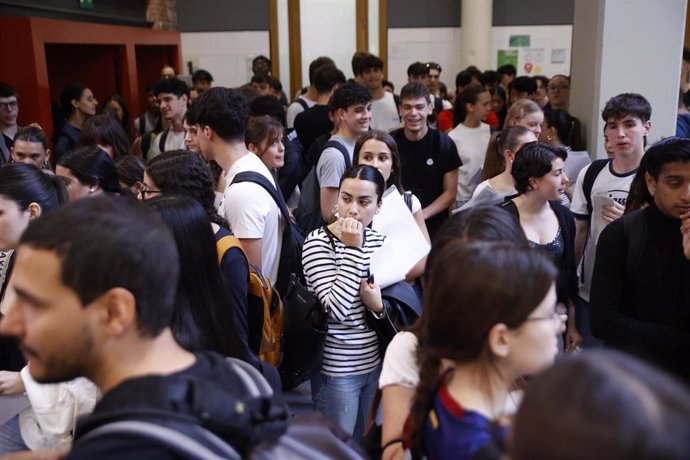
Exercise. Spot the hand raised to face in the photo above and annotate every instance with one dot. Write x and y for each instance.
(351, 232)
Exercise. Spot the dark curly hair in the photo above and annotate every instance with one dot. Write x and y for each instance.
(181, 172)
(225, 110)
(348, 95)
(533, 161)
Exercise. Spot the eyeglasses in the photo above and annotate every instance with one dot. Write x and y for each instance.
(560, 314)
(144, 190)
(556, 89)
(10, 106)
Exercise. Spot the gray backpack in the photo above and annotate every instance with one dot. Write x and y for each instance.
(308, 213)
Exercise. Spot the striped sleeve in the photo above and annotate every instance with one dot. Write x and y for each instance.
(336, 285)
(335, 274)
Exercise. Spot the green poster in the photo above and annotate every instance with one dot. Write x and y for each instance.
(507, 57)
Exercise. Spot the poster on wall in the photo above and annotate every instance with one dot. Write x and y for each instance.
(546, 53)
(519, 41)
(558, 56)
(507, 57)
(532, 60)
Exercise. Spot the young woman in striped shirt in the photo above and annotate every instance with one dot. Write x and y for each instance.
(336, 262)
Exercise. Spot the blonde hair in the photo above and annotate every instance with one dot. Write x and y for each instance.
(519, 110)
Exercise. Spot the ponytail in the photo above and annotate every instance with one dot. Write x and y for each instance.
(494, 162)
(429, 366)
(59, 184)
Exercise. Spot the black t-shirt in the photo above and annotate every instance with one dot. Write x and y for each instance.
(424, 163)
(312, 123)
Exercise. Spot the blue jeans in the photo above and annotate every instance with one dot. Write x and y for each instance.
(10, 437)
(583, 327)
(347, 400)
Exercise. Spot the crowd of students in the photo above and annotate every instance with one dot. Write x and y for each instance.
(522, 250)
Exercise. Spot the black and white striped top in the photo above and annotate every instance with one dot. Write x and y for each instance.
(351, 346)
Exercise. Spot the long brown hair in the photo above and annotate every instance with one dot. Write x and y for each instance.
(495, 160)
(490, 283)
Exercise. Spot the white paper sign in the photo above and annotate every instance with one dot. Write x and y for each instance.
(404, 246)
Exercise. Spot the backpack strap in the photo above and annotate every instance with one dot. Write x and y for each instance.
(146, 144)
(438, 104)
(5, 268)
(4, 151)
(342, 149)
(407, 197)
(161, 142)
(441, 142)
(302, 102)
(330, 237)
(142, 124)
(226, 243)
(588, 181)
(254, 383)
(178, 441)
(635, 229)
(260, 179)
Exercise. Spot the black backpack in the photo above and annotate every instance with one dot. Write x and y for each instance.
(196, 417)
(588, 181)
(205, 420)
(293, 239)
(308, 214)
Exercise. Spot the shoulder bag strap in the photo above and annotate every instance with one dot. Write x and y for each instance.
(259, 179)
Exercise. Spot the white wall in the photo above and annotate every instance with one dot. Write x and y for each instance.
(441, 44)
(328, 29)
(227, 55)
(627, 46)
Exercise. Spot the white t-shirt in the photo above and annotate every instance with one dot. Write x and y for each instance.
(607, 184)
(400, 368)
(400, 362)
(252, 213)
(296, 108)
(471, 143)
(384, 113)
(174, 141)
